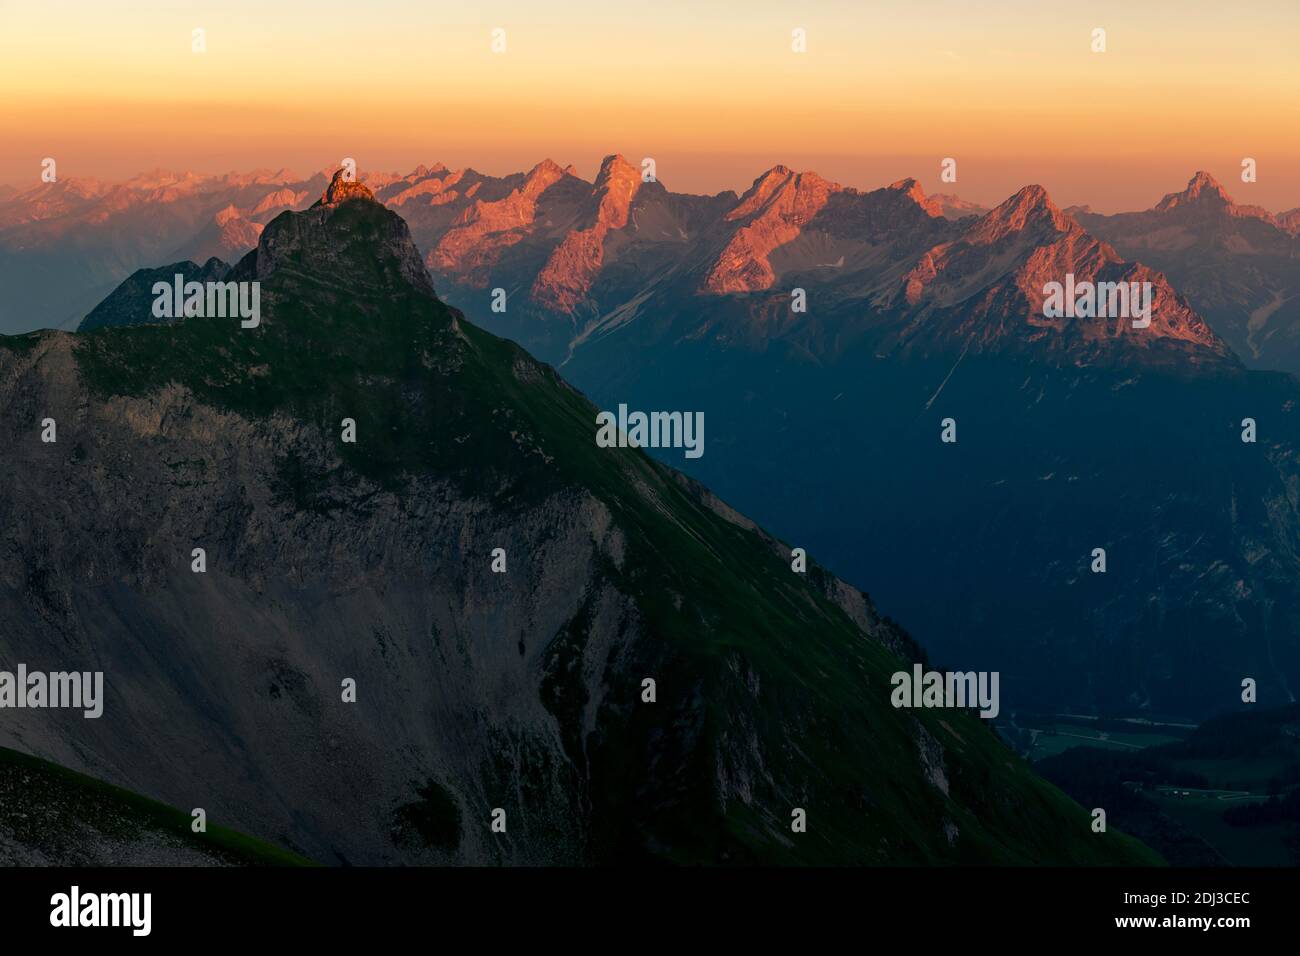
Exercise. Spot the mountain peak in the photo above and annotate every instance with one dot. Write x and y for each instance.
(910, 188)
(1031, 197)
(341, 189)
(775, 211)
(364, 244)
(227, 214)
(782, 183)
(1289, 221)
(1202, 190)
(1029, 208)
(614, 168)
(573, 265)
(544, 174)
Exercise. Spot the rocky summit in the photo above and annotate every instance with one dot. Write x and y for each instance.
(343, 187)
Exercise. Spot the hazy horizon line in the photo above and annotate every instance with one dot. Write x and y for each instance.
(492, 169)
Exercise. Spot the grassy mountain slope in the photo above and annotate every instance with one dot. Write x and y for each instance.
(50, 815)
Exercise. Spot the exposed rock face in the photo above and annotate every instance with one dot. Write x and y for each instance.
(329, 562)
(1086, 428)
(342, 189)
(1029, 214)
(912, 190)
(593, 263)
(433, 186)
(572, 267)
(774, 209)
(1104, 439)
(474, 244)
(66, 245)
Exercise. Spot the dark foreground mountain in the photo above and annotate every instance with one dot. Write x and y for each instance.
(132, 302)
(523, 692)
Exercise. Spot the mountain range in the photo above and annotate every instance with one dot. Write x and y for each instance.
(1237, 263)
(915, 306)
(562, 242)
(577, 642)
(1073, 434)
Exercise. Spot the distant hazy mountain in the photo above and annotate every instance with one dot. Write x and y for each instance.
(954, 207)
(524, 691)
(65, 245)
(229, 236)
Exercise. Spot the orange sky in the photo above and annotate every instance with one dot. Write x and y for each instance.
(711, 90)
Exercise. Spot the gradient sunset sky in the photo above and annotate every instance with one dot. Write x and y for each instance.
(709, 88)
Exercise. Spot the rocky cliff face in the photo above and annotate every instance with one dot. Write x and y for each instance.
(773, 210)
(571, 268)
(341, 189)
(484, 230)
(329, 561)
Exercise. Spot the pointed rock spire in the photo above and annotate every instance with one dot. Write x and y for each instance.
(1030, 208)
(1202, 189)
(340, 190)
